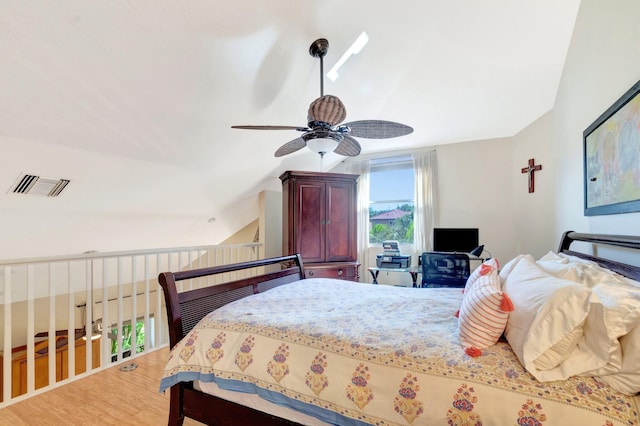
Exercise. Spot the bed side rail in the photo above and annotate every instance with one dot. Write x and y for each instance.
(185, 309)
(625, 241)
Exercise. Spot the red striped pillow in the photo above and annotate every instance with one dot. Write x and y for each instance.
(489, 266)
(483, 314)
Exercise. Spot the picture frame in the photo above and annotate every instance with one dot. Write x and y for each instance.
(612, 158)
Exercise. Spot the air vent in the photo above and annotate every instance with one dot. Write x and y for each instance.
(36, 185)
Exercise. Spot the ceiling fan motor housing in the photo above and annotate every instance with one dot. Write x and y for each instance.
(327, 108)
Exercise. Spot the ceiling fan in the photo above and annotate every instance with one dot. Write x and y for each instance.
(324, 117)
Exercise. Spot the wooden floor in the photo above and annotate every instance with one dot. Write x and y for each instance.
(110, 397)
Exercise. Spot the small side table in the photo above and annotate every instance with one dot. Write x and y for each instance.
(414, 271)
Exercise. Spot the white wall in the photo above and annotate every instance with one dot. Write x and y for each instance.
(533, 213)
(603, 62)
(271, 223)
(475, 182)
(98, 210)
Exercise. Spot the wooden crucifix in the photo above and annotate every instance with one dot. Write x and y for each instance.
(531, 169)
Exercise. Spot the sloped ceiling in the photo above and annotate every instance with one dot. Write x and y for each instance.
(133, 101)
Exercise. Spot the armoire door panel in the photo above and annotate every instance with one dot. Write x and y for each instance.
(339, 238)
(311, 243)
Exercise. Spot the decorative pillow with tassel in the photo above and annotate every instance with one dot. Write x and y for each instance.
(483, 314)
(489, 266)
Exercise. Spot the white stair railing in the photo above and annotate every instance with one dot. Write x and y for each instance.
(95, 309)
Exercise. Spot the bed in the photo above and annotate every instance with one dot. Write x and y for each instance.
(273, 348)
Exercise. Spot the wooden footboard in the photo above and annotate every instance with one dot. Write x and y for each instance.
(185, 309)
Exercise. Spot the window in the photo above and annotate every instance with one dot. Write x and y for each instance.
(391, 196)
(126, 339)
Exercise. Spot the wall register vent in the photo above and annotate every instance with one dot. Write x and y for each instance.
(36, 185)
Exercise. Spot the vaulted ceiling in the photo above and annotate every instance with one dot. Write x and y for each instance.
(133, 101)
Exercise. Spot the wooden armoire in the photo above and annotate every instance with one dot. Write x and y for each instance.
(319, 221)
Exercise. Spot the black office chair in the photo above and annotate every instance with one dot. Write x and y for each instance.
(444, 269)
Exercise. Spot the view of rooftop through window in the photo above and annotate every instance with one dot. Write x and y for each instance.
(391, 196)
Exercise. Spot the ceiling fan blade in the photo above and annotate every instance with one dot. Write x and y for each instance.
(298, 128)
(377, 129)
(349, 147)
(291, 146)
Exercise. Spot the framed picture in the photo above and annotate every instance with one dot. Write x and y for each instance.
(612, 158)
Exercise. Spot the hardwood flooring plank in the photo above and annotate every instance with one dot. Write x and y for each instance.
(110, 397)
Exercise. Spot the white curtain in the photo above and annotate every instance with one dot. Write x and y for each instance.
(361, 168)
(424, 216)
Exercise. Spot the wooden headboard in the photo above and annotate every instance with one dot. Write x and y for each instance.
(626, 241)
(186, 308)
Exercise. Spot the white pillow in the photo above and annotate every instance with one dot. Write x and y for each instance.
(576, 269)
(559, 267)
(545, 327)
(552, 256)
(627, 378)
(621, 316)
(613, 326)
(508, 267)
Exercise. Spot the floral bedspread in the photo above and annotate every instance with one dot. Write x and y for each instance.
(352, 353)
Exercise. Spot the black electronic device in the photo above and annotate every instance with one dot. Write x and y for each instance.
(391, 258)
(400, 261)
(477, 251)
(461, 240)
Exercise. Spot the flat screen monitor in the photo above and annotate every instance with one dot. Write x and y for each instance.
(455, 239)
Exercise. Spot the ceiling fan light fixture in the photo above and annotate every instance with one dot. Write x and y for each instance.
(322, 145)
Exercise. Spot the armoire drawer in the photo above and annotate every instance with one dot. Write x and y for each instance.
(343, 271)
